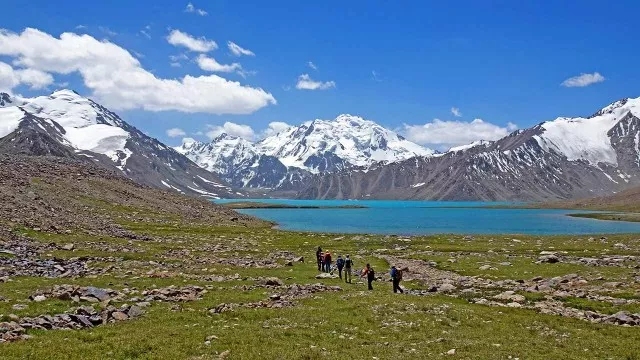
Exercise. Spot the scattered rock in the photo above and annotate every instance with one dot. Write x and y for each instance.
(326, 276)
(68, 247)
(551, 259)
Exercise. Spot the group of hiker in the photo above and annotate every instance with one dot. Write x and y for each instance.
(325, 264)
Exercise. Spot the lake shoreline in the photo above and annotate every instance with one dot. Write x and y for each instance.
(413, 218)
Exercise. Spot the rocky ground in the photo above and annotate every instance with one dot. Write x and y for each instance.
(93, 266)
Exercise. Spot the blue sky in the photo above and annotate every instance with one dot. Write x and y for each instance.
(502, 62)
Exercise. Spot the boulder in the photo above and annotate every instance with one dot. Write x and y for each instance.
(326, 276)
(551, 259)
(119, 316)
(272, 281)
(135, 311)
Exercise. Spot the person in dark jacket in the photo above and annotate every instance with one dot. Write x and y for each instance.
(340, 265)
(348, 264)
(370, 274)
(396, 277)
(319, 257)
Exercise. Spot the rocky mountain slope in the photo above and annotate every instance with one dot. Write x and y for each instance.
(287, 159)
(559, 159)
(68, 125)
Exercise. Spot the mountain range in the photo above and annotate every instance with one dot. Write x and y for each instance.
(66, 124)
(288, 159)
(344, 158)
(559, 159)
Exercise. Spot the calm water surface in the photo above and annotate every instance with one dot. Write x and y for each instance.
(432, 217)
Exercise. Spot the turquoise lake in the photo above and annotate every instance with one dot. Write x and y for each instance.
(431, 217)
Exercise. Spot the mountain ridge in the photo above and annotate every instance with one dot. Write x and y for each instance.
(559, 159)
(65, 124)
(285, 160)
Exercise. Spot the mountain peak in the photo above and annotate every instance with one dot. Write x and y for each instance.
(224, 136)
(623, 106)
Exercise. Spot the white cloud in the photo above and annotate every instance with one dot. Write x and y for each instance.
(306, 83)
(107, 31)
(175, 132)
(118, 80)
(312, 65)
(175, 64)
(445, 134)
(210, 64)
(201, 44)
(375, 76)
(192, 9)
(10, 78)
(179, 57)
(583, 80)
(456, 112)
(239, 51)
(275, 127)
(80, 27)
(233, 129)
(145, 34)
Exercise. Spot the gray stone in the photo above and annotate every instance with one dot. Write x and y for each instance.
(135, 311)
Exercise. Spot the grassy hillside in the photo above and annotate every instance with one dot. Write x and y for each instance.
(236, 289)
(625, 206)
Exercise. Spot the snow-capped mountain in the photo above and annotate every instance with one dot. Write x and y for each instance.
(562, 158)
(240, 163)
(329, 145)
(286, 160)
(67, 124)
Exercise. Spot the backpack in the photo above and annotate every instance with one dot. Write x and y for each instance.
(340, 262)
(371, 274)
(348, 263)
(398, 274)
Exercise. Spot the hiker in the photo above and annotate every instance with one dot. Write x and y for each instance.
(319, 257)
(370, 274)
(340, 265)
(348, 263)
(396, 277)
(327, 261)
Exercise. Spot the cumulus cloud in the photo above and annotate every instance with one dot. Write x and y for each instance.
(233, 129)
(306, 83)
(275, 127)
(583, 80)
(118, 80)
(175, 132)
(312, 65)
(192, 9)
(456, 112)
(445, 134)
(239, 51)
(10, 78)
(201, 44)
(210, 64)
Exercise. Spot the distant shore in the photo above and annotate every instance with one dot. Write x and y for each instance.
(262, 205)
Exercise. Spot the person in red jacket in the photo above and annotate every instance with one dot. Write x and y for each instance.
(327, 261)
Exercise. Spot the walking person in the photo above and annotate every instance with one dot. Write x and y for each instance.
(370, 274)
(348, 264)
(396, 277)
(340, 265)
(327, 261)
(319, 257)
